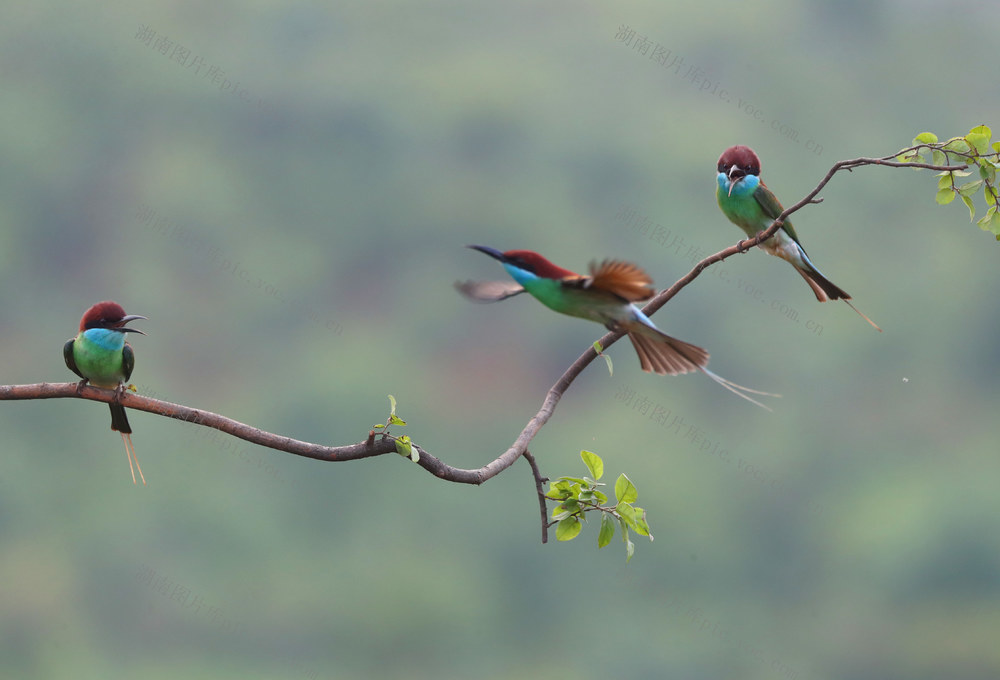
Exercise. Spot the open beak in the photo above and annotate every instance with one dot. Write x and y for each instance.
(125, 319)
(492, 252)
(735, 175)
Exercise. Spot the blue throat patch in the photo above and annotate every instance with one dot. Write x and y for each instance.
(105, 339)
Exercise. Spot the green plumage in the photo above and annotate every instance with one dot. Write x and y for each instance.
(102, 366)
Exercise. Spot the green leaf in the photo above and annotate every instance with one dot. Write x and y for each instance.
(404, 447)
(981, 130)
(377, 426)
(957, 144)
(925, 138)
(625, 490)
(601, 498)
(996, 146)
(629, 551)
(568, 529)
(627, 513)
(988, 171)
(971, 188)
(979, 142)
(571, 488)
(641, 527)
(607, 531)
(970, 206)
(571, 505)
(992, 195)
(991, 221)
(560, 490)
(945, 196)
(593, 463)
(938, 157)
(392, 404)
(607, 359)
(945, 180)
(396, 420)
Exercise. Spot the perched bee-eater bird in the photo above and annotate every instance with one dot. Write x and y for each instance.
(100, 355)
(750, 205)
(607, 296)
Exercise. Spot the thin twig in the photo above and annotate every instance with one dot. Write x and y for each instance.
(539, 487)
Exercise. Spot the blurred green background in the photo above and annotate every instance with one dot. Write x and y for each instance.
(285, 190)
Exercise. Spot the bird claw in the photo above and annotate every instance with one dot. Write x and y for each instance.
(79, 386)
(742, 246)
(120, 392)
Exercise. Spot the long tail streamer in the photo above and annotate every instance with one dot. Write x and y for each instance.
(739, 390)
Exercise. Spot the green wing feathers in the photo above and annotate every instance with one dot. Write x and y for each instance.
(772, 208)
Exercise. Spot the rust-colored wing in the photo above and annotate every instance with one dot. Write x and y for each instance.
(623, 279)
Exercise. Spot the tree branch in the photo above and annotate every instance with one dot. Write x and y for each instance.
(381, 444)
(539, 487)
(377, 446)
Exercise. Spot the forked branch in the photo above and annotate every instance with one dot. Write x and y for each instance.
(382, 444)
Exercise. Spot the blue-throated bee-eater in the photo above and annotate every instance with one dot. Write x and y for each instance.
(100, 356)
(607, 296)
(750, 205)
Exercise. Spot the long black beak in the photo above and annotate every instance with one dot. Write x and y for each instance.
(492, 252)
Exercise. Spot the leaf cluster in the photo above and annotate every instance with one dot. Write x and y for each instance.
(975, 150)
(404, 445)
(579, 495)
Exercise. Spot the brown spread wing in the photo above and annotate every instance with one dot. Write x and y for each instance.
(623, 279)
